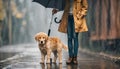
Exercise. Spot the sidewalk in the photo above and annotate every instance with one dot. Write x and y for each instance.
(28, 57)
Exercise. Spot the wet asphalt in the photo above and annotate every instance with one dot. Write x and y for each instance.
(27, 56)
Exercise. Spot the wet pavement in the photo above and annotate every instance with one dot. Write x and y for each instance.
(4, 55)
(28, 57)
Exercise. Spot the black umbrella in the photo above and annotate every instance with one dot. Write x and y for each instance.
(58, 4)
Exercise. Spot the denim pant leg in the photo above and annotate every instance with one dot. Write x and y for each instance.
(70, 35)
(76, 44)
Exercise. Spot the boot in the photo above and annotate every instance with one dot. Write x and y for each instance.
(75, 60)
(69, 61)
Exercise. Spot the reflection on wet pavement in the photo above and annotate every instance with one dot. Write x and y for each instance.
(4, 55)
(81, 65)
(51, 66)
(30, 59)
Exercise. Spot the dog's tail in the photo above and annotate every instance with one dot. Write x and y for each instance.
(65, 47)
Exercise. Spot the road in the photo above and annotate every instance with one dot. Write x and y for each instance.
(27, 56)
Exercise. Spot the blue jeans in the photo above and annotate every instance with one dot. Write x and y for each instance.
(72, 37)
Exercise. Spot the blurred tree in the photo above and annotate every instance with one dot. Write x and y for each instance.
(14, 28)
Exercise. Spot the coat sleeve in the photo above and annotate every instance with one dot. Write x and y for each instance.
(84, 7)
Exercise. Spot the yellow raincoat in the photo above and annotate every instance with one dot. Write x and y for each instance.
(79, 8)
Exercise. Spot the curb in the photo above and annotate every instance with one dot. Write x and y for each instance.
(102, 55)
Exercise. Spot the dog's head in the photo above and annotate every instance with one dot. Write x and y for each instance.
(41, 38)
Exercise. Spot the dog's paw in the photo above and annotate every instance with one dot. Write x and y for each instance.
(47, 63)
(60, 62)
(54, 62)
(41, 62)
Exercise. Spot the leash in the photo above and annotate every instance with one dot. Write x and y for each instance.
(51, 24)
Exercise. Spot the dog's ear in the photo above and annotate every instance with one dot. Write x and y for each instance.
(46, 37)
(36, 37)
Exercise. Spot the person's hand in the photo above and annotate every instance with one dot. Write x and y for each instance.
(54, 11)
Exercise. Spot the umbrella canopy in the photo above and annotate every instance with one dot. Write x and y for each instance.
(58, 4)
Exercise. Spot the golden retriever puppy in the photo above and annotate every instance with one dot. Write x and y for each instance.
(47, 45)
